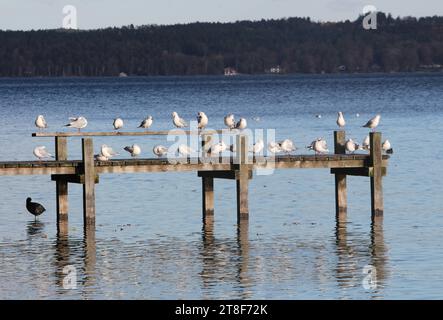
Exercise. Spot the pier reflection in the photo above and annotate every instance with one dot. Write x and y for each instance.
(225, 261)
(224, 267)
(353, 255)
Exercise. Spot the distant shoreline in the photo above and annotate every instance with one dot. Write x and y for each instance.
(436, 72)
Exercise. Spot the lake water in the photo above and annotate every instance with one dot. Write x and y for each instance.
(150, 242)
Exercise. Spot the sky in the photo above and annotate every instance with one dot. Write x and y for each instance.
(93, 14)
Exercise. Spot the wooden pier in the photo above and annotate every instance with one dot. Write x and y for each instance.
(238, 167)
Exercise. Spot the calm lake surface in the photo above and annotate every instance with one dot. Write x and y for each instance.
(150, 242)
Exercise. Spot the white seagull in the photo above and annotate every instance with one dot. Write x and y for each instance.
(178, 122)
(287, 146)
(185, 150)
(365, 145)
(40, 122)
(118, 123)
(319, 146)
(78, 123)
(134, 150)
(341, 120)
(160, 150)
(100, 157)
(241, 124)
(351, 146)
(107, 151)
(386, 147)
(217, 148)
(41, 153)
(373, 123)
(230, 121)
(258, 146)
(274, 147)
(146, 123)
(202, 120)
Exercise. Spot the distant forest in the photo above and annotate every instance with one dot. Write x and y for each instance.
(292, 45)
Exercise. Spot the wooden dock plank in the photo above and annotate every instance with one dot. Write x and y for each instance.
(137, 133)
(163, 165)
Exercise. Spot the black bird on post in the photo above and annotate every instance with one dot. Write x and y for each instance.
(34, 208)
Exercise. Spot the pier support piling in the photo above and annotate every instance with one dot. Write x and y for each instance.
(376, 177)
(242, 178)
(61, 186)
(208, 197)
(89, 184)
(341, 205)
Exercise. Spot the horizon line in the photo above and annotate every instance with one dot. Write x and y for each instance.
(319, 21)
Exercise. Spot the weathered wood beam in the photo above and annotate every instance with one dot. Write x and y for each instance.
(243, 178)
(138, 133)
(341, 201)
(73, 178)
(376, 178)
(61, 188)
(362, 172)
(207, 196)
(89, 185)
(223, 174)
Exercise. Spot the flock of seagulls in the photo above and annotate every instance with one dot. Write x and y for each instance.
(351, 146)
(286, 146)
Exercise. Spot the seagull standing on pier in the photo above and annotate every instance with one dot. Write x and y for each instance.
(34, 208)
(287, 146)
(319, 146)
(365, 144)
(241, 124)
(134, 150)
(160, 150)
(386, 147)
(118, 123)
(351, 146)
(373, 123)
(202, 120)
(218, 148)
(274, 147)
(100, 157)
(146, 123)
(185, 150)
(41, 153)
(107, 151)
(178, 122)
(78, 123)
(40, 123)
(258, 146)
(230, 121)
(341, 120)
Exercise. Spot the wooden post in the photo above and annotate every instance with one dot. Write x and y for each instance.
(208, 197)
(242, 178)
(89, 185)
(61, 187)
(376, 178)
(207, 182)
(341, 205)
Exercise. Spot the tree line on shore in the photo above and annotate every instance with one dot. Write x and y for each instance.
(291, 45)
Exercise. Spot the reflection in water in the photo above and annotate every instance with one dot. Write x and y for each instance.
(89, 256)
(211, 266)
(220, 256)
(353, 256)
(35, 228)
